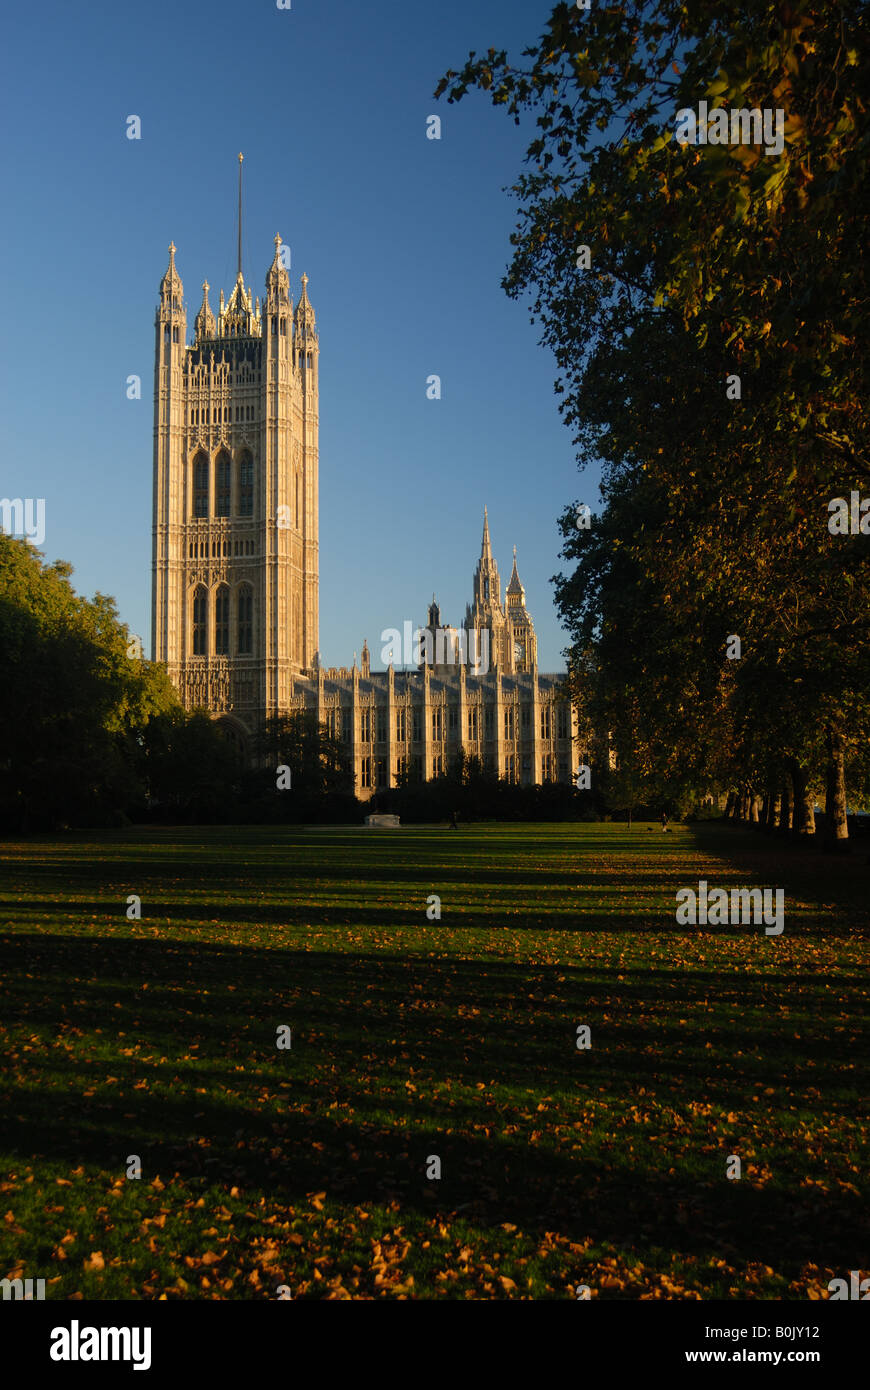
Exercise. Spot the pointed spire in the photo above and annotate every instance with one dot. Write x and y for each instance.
(205, 321)
(486, 548)
(171, 282)
(277, 279)
(515, 587)
(239, 318)
(304, 311)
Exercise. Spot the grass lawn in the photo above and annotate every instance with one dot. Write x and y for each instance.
(307, 1167)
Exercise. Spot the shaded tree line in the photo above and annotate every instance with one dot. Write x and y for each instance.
(471, 792)
(706, 305)
(91, 734)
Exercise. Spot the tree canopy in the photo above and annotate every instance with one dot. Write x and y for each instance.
(705, 304)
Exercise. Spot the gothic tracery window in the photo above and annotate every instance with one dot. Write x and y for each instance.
(246, 620)
(222, 485)
(222, 621)
(199, 621)
(246, 485)
(200, 485)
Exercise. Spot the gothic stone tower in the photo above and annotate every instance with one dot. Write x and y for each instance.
(235, 533)
(523, 644)
(485, 610)
(513, 644)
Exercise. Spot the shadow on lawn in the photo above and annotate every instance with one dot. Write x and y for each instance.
(364, 1024)
(630, 916)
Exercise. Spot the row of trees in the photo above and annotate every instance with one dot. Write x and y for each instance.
(91, 734)
(711, 359)
(471, 792)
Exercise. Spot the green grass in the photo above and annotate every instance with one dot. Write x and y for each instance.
(413, 1037)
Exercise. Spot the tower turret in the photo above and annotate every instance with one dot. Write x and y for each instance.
(522, 642)
(170, 412)
(171, 288)
(306, 332)
(277, 280)
(515, 593)
(204, 324)
(485, 610)
(306, 356)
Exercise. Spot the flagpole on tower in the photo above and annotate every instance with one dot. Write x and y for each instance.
(241, 157)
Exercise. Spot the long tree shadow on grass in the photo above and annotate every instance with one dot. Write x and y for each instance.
(562, 1151)
(629, 916)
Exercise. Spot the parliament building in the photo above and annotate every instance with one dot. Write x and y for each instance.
(235, 567)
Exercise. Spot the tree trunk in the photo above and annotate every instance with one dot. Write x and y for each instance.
(835, 798)
(785, 808)
(773, 820)
(729, 806)
(804, 822)
(754, 807)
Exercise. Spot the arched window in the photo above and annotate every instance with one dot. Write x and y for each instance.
(222, 621)
(246, 620)
(200, 619)
(200, 485)
(246, 485)
(222, 485)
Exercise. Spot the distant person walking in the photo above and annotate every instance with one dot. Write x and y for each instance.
(453, 825)
(664, 820)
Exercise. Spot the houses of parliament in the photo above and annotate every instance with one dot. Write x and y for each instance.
(235, 566)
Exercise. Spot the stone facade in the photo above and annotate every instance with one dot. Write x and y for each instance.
(235, 535)
(519, 725)
(235, 566)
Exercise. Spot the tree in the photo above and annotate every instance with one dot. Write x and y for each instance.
(71, 699)
(189, 769)
(319, 764)
(708, 265)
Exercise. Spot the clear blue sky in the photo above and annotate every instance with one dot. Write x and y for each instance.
(404, 241)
